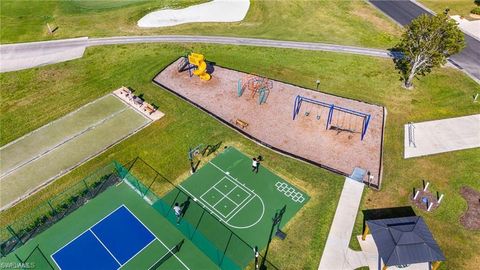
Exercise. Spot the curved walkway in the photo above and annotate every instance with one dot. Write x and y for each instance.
(28, 55)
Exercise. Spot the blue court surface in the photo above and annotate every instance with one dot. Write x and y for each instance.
(109, 244)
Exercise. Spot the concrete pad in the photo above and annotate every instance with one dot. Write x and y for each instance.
(470, 27)
(336, 249)
(214, 11)
(370, 252)
(28, 55)
(355, 259)
(441, 136)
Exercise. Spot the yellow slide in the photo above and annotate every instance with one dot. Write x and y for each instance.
(199, 61)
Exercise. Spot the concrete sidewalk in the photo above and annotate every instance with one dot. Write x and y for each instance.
(337, 255)
(28, 55)
(33, 54)
(439, 136)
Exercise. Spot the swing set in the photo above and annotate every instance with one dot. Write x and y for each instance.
(256, 85)
(332, 110)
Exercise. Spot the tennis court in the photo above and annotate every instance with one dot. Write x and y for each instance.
(49, 152)
(116, 230)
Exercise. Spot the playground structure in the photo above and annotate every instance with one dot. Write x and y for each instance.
(425, 199)
(197, 63)
(271, 123)
(334, 119)
(256, 85)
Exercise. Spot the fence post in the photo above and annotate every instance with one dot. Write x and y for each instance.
(14, 234)
(133, 163)
(225, 250)
(49, 204)
(85, 183)
(198, 223)
(149, 186)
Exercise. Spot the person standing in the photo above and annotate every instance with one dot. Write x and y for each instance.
(255, 164)
(178, 212)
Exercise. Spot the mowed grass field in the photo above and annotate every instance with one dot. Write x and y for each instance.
(346, 22)
(445, 93)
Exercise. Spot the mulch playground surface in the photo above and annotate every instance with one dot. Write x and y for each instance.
(271, 123)
(471, 218)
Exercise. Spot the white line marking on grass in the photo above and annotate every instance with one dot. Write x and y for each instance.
(52, 122)
(68, 170)
(66, 140)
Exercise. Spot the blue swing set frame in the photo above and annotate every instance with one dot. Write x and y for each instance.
(332, 107)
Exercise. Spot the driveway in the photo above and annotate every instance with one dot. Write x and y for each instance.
(403, 12)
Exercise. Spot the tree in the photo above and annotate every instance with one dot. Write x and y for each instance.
(427, 43)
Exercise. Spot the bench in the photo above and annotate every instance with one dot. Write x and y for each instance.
(149, 108)
(241, 123)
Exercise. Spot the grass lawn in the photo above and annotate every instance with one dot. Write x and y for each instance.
(445, 93)
(342, 22)
(457, 7)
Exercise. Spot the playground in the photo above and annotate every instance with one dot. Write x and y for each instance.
(335, 133)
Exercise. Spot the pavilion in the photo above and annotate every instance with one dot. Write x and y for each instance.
(404, 241)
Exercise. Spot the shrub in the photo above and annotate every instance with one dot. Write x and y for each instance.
(477, 2)
(476, 10)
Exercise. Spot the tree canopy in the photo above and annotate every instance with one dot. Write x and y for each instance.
(427, 43)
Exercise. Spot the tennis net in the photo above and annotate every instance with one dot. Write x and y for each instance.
(167, 255)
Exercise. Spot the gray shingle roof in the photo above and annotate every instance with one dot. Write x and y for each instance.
(404, 240)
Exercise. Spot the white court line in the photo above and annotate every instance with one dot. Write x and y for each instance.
(153, 240)
(65, 140)
(255, 195)
(240, 204)
(98, 239)
(251, 198)
(90, 230)
(52, 122)
(200, 201)
(244, 188)
(158, 239)
(234, 179)
(226, 195)
(212, 206)
(87, 230)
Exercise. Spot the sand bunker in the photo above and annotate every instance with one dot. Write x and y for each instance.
(214, 11)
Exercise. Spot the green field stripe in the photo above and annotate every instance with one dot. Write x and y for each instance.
(69, 155)
(56, 132)
(66, 140)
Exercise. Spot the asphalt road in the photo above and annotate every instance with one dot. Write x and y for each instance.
(403, 12)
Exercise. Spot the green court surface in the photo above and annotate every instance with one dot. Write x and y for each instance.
(73, 225)
(242, 200)
(55, 148)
